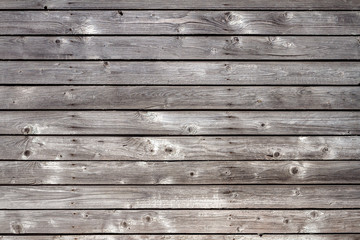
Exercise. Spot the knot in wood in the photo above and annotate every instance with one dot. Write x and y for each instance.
(228, 17)
(294, 170)
(27, 153)
(26, 130)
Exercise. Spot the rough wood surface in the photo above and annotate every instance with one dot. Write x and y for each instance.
(181, 47)
(179, 122)
(191, 172)
(180, 73)
(178, 197)
(179, 221)
(179, 22)
(178, 148)
(186, 237)
(184, 4)
(167, 119)
(179, 97)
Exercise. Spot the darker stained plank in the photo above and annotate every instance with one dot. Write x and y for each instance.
(179, 148)
(184, 4)
(179, 22)
(181, 47)
(180, 73)
(179, 97)
(191, 172)
(178, 197)
(179, 221)
(179, 122)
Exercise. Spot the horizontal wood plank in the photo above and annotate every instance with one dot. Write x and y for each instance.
(186, 237)
(191, 172)
(180, 73)
(179, 22)
(185, 4)
(179, 97)
(181, 47)
(179, 221)
(179, 123)
(178, 197)
(178, 148)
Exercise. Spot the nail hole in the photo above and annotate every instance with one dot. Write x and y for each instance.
(27, 153)
(276, 154)
(169, 150)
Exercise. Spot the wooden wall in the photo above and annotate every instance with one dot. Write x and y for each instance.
(180, 120)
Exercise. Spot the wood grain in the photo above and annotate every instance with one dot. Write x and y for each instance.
(179, 122)
(179, 73)
(179, 221)
(181, 47)
(179, 22)
(179, 97)
(191, 172)
(186, 237)
(179, 148)
(178, 197)
(185, 4)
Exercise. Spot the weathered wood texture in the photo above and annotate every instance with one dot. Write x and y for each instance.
(179, 22)
(191, 172)
(179, 221)
(89, 161)
(180, 73)
(181, 47)
(179, 122)
(179, 197)
(187, 237)
(179, 97)
(179, 148)
(185, 4)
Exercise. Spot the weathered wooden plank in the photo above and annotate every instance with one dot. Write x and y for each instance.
(179, 73)
(185, 4)
(179, 221)
(179, 97)
(191, 172)
(179, 22)
(186, 237)
(179, 122)
(178, 148)
(179, 197)
(181, 47)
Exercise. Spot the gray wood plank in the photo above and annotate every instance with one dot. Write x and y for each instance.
(179, 122)
(179, 73)
(179, 221)
(186, 237)
(178, 148)
(191, 172)
(179, 97)
(185, 4)
(179, 22)
(181, 47)
(178, 197)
